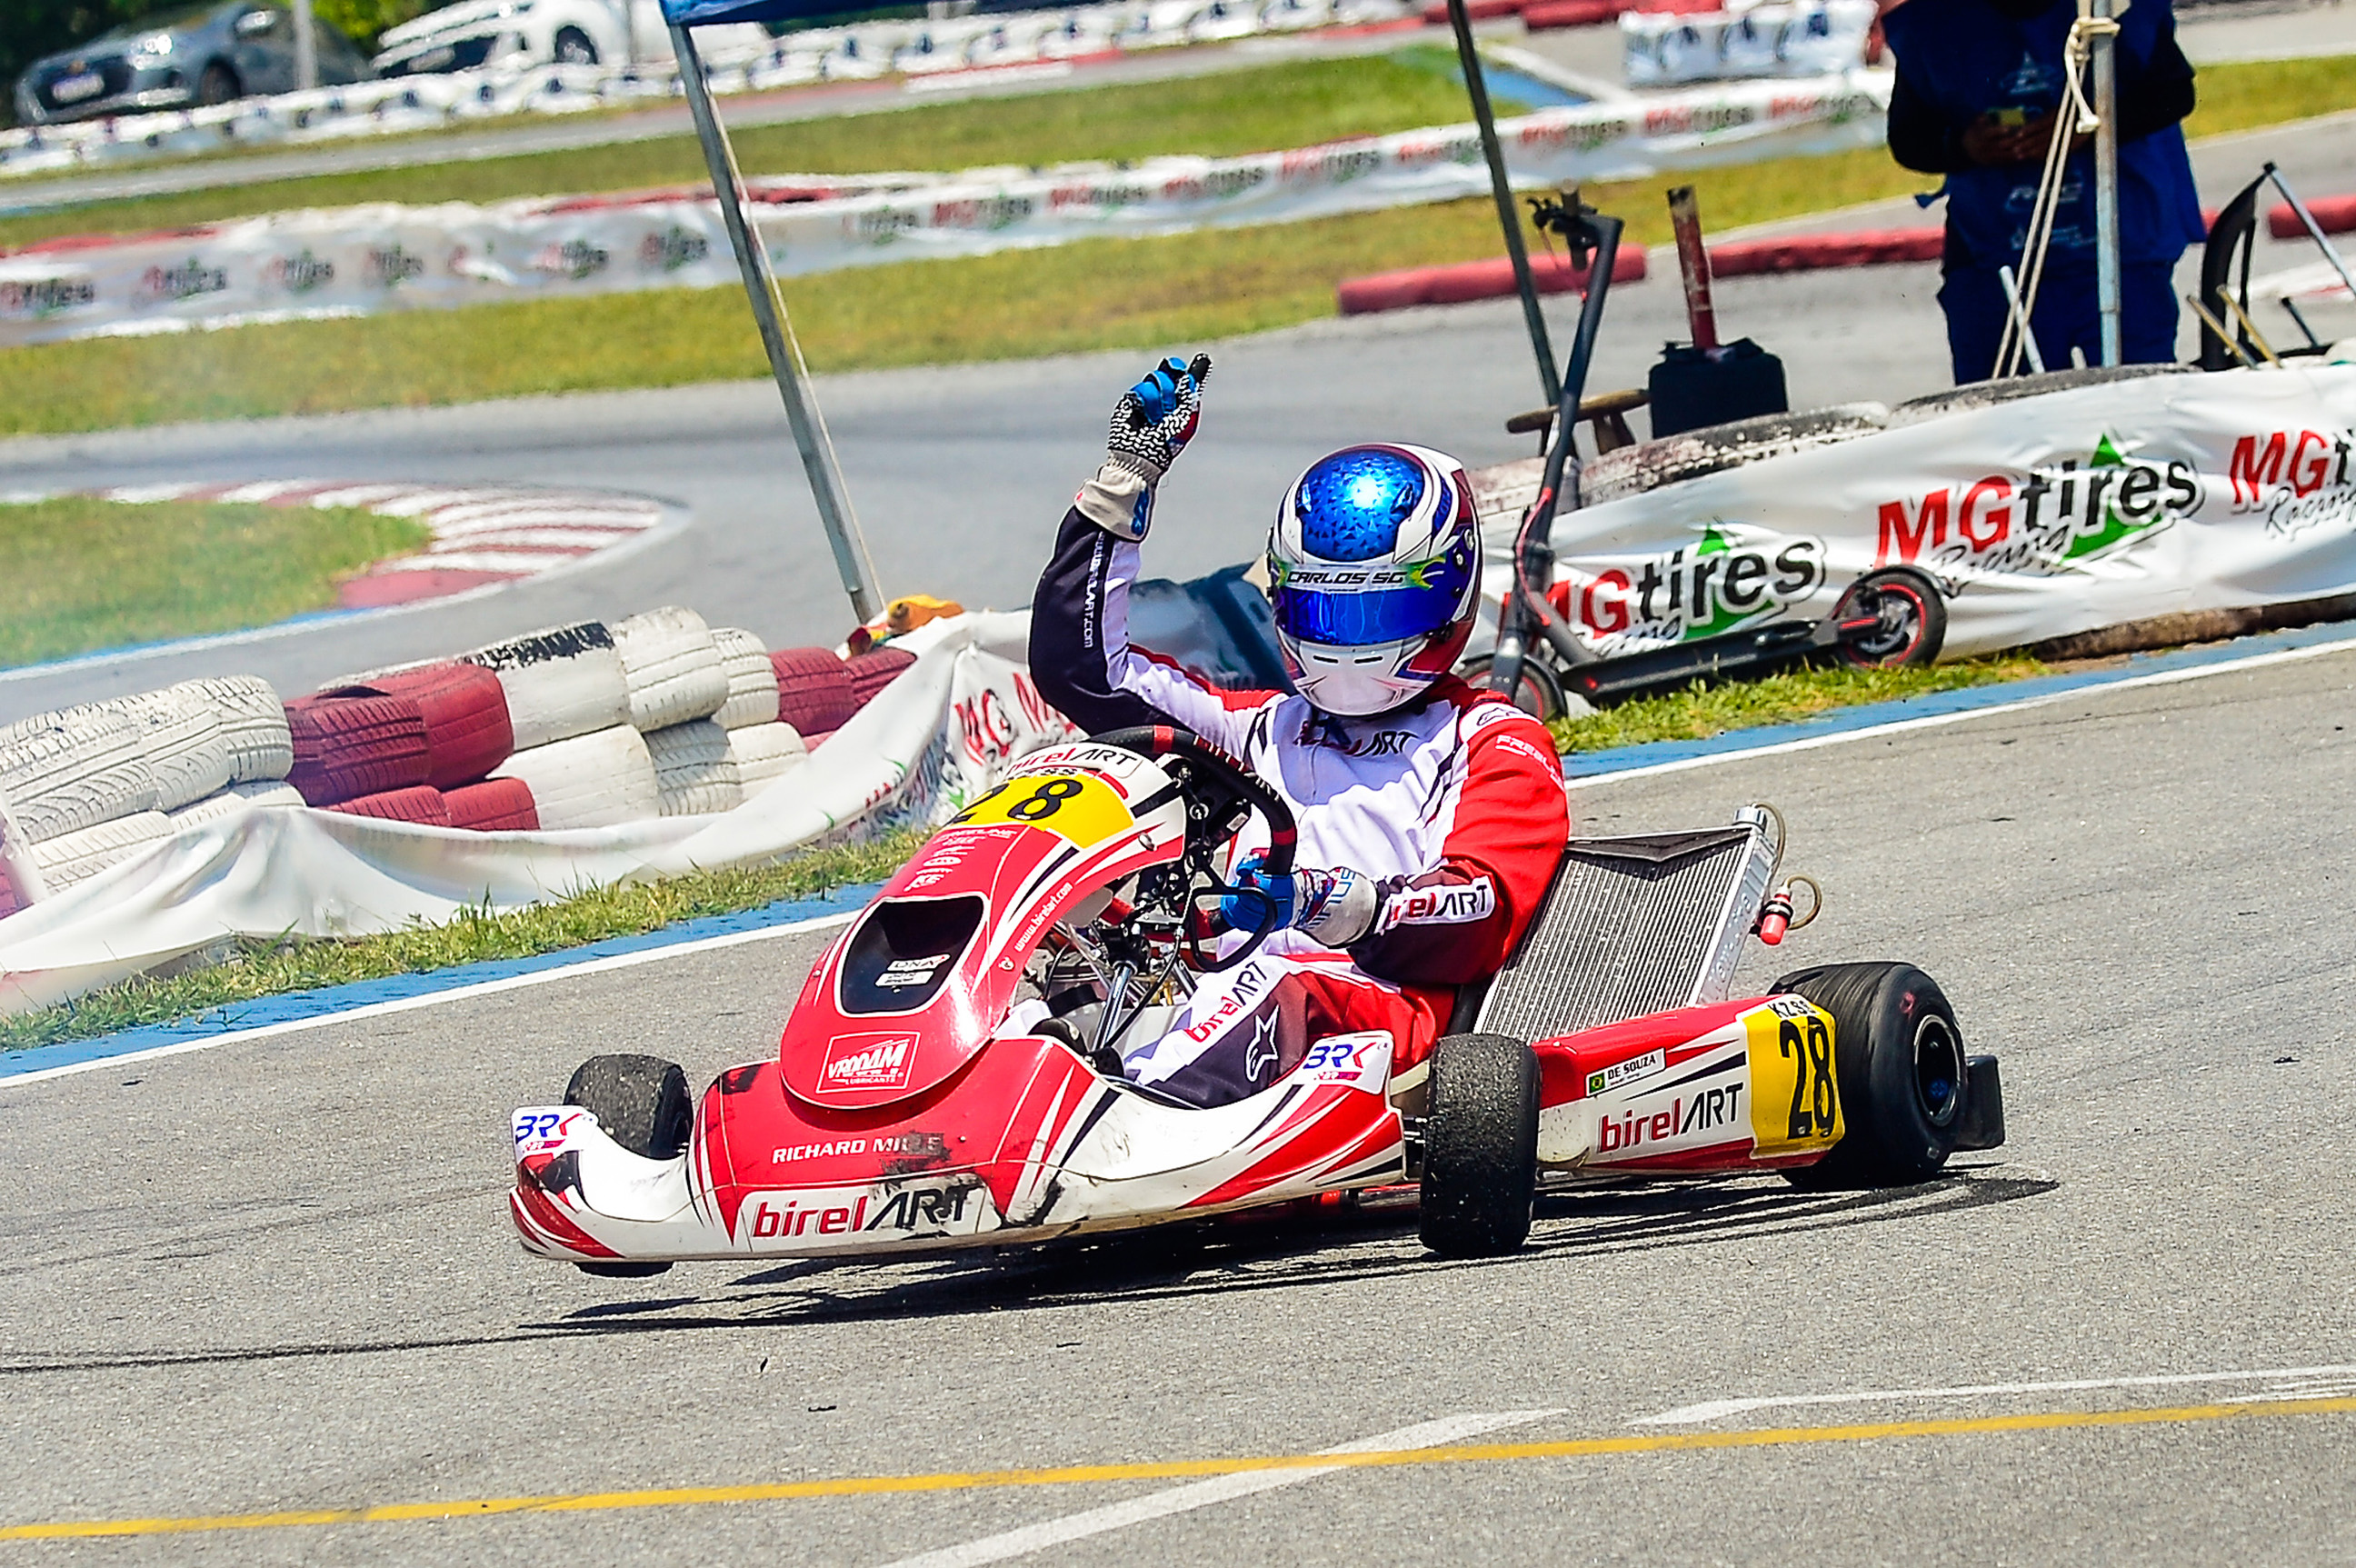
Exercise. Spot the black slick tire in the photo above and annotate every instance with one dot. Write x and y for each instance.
(1480, 1146)
(642, 1104)
(571, 47)
(1899, 1064)
(219, 84)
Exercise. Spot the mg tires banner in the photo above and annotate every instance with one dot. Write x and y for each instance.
(2041, 517)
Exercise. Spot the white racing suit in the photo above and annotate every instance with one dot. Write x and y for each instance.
(1453, 806)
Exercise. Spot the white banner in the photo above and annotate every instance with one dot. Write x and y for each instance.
(2039, 518)
(946, 730)
(1811, 38)
(360, 260)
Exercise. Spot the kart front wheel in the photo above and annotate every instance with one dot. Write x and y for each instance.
(640, 1103)
(1480, 1146)
(1899, 1065)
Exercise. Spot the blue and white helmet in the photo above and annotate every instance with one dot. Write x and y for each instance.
(1373, 568)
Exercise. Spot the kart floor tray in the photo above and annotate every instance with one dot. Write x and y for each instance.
(1631, 926)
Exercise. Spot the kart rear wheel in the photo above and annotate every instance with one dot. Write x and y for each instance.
(1480, 1146)
(1899, 1065)
(640, 1103)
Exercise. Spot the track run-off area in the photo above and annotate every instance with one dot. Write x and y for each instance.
(264, 1304)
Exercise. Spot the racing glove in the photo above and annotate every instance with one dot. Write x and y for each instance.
(1150, 425)
(1335, 907)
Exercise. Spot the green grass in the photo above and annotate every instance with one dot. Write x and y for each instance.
(259, 969)
(79, 574)
(1255, 110)
(1701, 711)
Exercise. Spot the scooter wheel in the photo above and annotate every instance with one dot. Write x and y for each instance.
(1538, 693)
(1910, 627)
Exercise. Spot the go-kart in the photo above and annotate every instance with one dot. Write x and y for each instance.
(949, 1076)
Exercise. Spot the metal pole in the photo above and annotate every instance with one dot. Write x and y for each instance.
(2314, 231)
(834, 511)
(2106, 181)
(1499, 187)
(307, 47)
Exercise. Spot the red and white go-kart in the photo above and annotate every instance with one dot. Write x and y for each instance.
(904, 1112)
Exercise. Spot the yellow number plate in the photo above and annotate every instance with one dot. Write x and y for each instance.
(1080, 807)
(1795, 1091)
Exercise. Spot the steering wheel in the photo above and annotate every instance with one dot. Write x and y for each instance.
(1220, 793)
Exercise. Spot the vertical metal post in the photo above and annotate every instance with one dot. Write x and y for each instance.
(1507, 218)
(307, 47)
(2106, 182)
(834, 511)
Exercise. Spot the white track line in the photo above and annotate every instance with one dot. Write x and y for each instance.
(1202, 1494)
(435, 999)
(1900, 727)
(1715, 1410)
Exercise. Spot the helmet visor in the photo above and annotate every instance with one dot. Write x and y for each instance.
(1351, 606)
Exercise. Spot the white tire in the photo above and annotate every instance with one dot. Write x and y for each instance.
(253, 724)
(752, 680)
(694, 769)
(66, 771)
(235, 799)
(180, 735)
(589, 780)
(764, 752)
(673, 667)
(84, 852)
(560, 684)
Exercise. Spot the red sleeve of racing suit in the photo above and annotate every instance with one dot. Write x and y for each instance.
(1082, 661)
(1460, 920)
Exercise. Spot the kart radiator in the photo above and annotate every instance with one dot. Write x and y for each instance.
(1634, 925)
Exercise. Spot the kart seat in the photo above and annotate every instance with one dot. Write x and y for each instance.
(1630, 925)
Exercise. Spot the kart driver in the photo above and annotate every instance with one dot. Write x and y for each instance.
(1431, 815)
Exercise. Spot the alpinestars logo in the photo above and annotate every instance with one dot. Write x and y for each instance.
(2058, 517)
(1724, 582)
(868, 1061)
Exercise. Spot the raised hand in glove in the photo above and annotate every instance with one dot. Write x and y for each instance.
(1335, 907)
(1150, 425)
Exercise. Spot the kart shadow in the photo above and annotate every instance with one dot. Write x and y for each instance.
(1216, 1258)
(1220, 1258)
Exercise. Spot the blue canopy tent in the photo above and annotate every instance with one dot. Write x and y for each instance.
(834, 510)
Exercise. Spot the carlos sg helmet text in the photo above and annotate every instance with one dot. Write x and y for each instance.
(1373, 568)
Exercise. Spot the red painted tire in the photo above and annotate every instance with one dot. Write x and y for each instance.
(814, 741)
(814, 690)
(420, 803)
(348, 746)
(466, 711)
(874, 670)
(494, 805)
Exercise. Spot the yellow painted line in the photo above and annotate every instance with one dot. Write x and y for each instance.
(1187, 1470)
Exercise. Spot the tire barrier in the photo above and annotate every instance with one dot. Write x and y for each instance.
(948, 706)
(814, 691)
(1664, 48)
(695, 770)
(465, 709)
(752, 680)
(739, 61)
(671, 666)
(364, 261)
(558, 682)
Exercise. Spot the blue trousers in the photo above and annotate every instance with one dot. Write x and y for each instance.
(2065, 318)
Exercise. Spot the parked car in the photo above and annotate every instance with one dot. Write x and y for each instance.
(520, 33)
(206, 54)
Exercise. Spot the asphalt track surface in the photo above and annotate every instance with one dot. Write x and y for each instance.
(277, 1278)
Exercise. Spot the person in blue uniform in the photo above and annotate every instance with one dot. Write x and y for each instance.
(1978, 97)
